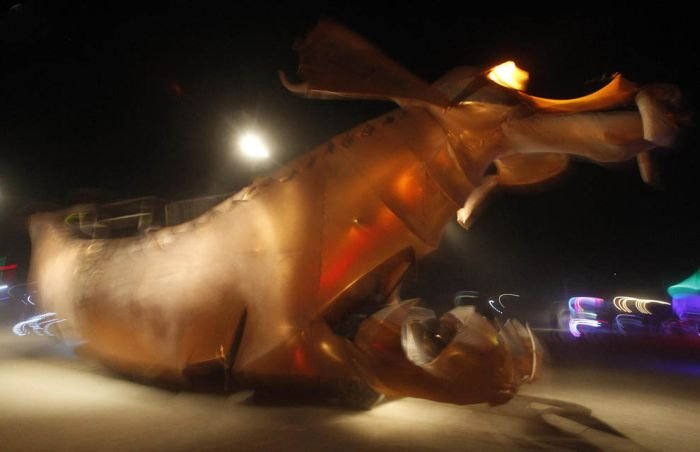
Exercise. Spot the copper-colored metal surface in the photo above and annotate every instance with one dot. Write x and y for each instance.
(294, 278)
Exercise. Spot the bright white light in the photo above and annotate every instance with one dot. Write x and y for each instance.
(253, 147)
(494, 307)
(574, 323)
(39, 324)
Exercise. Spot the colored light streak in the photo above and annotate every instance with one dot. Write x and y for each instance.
(629, 320)
(624, 304)
(577, 304)
(575, 323)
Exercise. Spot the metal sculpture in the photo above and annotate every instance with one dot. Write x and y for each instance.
(294, 279)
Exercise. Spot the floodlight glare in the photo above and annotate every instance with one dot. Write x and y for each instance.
(253, 147)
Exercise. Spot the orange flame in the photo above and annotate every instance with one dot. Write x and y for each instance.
(509, 75)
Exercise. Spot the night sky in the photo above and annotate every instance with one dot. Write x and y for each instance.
(111, 102)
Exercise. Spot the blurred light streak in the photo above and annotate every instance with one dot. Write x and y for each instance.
(640, 304)
(491, 303)
(38, 324)
(630, 320)
(574, 324)
(577, 304)
(506, 295)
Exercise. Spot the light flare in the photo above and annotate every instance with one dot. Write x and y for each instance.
(509, 75)
(253, 146)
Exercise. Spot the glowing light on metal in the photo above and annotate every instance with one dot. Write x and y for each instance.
(640, 304)
(253, 147)
(509, 75)
(3, 287)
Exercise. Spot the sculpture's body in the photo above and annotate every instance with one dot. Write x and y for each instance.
(267, 283)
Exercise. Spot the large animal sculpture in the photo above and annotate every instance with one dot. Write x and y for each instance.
(294, 279)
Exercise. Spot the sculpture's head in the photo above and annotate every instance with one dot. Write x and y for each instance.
(488, 117)
(530, 139)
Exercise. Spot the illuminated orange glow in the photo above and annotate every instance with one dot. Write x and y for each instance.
(509, 75)
(300, 359)
(356, 243)
(328, 350)
(407, 187)
(640, 304)
(359, 239)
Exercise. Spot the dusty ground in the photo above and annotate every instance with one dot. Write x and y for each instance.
(588, 400)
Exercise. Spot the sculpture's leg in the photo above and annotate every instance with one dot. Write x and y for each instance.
(460, 358)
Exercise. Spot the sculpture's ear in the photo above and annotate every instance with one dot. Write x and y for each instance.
(334, 62)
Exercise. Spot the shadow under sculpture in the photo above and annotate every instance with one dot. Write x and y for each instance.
(294, 279)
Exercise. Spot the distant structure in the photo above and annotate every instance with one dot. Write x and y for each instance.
(136, 216)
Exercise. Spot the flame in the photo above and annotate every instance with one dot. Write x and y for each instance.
(509, 75)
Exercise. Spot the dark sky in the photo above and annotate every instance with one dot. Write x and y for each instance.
(131, 100)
